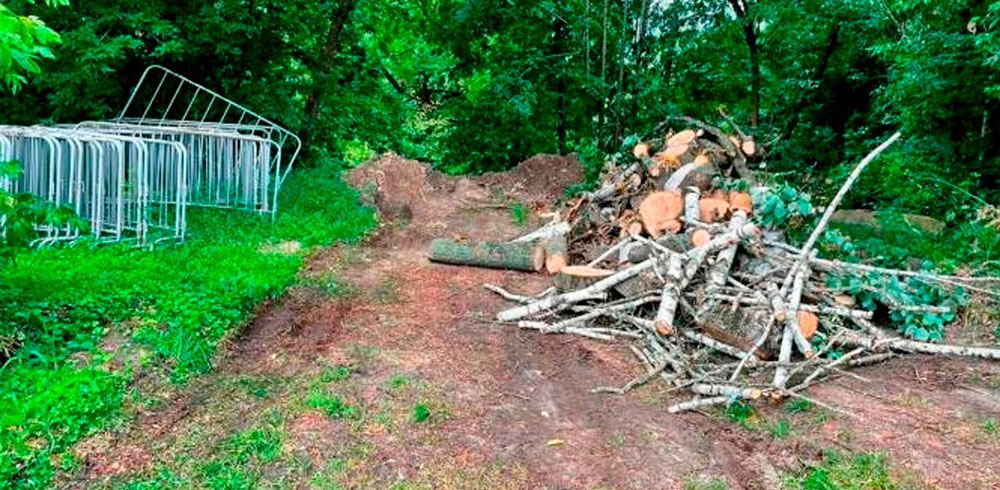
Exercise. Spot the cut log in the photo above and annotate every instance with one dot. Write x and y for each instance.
(808, 324)
(552, 229)
(637, 252)
(660, 211)
(726, 390)
(749, 148)
(555, 254)
(685, 137)
(641, 150)
(502, 255)
(700, 237)
(573, 277)
(668, 159)
(741, 201)
(711, 210)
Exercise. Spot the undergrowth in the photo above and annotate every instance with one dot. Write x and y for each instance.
(964, 244)
(77, 324)
(864, 471)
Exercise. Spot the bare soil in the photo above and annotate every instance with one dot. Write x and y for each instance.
(513, 409)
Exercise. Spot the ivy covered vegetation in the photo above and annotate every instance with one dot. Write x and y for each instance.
(468, 86)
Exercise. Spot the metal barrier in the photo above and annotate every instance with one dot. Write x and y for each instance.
(132, 178)
(124, 187)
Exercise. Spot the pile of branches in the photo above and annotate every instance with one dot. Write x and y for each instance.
(706, 300)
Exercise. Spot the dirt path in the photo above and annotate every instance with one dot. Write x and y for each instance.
(508, 409)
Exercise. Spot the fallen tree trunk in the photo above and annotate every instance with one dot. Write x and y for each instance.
(494, 255)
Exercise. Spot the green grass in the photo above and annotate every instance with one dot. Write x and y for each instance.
(865, 471)
(421, 413)
(518, 214)
(705, 484)
(169, 310)
(331, 405)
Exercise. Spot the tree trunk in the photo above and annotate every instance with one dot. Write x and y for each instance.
(750, 36)
(831, 46)
(558, 39)
(321, 76)
(503, 255)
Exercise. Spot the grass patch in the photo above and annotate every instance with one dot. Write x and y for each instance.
(335, 373)
(743, 414)
(518, 214)
(170, 308)
(705, 484)
(780, 429)
(241, 459)
(421, 413)
(331, 405)
(865, 471)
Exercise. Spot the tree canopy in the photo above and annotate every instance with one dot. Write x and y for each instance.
(478, 85)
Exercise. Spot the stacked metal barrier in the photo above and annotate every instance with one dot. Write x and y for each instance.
(123, 187)
(175, 144)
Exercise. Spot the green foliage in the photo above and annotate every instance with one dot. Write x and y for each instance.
(331, 405)
(239, 460)
(336, 373)
(421, 413)
(518, 214)
(798, 405)
(24, 41)
(874, 290)
(743, 414)
(782, 206)
(20, 213)
(164, 310)
(780, 429)
(43, 411)
(866, 471)
(991, 427)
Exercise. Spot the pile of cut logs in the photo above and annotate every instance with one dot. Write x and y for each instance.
(705, 299)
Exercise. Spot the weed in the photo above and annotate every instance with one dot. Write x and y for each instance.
(329, 478)
(705, 484)
(398, 381)
(518, 214)
(256, 388)
(780, 429)
(991, 428)
(331, 405)
(421, 413)
(857, 472)
(242, 456)
(743, 414)
(331, 374)
(798, 406)
(335, 288)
